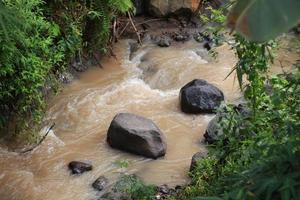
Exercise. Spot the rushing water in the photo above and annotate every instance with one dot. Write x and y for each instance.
(147, 85)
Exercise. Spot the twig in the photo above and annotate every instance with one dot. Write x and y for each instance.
(115, 31)
(40, 142)
(135, 29)
(121, 33)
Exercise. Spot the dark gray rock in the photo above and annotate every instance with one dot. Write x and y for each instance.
(140, 6)
(65, 77)
(163, 189)
(100, 183)
(137, 135)
(181, 37)
(77, 167)
(164, 41)
(199, 96)
(213, 130)
(196, 157)
(207, 46)
(79, 66)
(164, 192)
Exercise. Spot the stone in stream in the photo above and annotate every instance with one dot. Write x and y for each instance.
(77, 167)
(164, 192)
(199, 96)
(196, 157)
(100, 183)
(164, 41)
(136, 135)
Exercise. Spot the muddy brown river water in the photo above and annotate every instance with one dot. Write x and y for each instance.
(147, 85)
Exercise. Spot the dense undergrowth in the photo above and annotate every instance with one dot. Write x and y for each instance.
(38, 40)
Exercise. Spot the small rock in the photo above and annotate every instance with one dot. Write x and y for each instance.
(66, 77)
(79, 167)
(181, 37)
(196, 157)
(207, 46)
(164, 189)
(158, 197)
(79, 66)
(178, 187)
(100, 183)
(164, 42)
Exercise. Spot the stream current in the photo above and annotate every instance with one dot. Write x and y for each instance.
(145, 82)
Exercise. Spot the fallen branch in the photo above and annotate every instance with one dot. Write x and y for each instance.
(40, 142)
(134, 27)
(121, 33)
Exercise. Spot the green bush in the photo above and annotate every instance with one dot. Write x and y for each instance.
(26, 56)
(258, 156)
(37, 41)
(135, 188)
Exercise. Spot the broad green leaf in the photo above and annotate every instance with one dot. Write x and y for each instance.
(262, 20)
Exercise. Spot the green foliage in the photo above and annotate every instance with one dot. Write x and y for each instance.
(253, 64)
(123, 163)
(258, 155)
(134, 187)
(37, 41)
(215, 20)
(26, 58)
(262, 20)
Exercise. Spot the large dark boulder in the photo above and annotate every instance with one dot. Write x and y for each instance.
(137, 135)
(77, 167)
(199, 96)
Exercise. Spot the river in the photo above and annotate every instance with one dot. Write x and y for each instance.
(145, 82)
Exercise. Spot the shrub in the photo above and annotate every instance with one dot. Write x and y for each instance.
(37, 41)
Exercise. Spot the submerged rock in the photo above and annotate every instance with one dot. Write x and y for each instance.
(100, 183)
(77, 167)
(196, 157)
(164, 41)
(161, 8)
(165, 192)
(136, 135)
(181, 37)
(199, 96)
